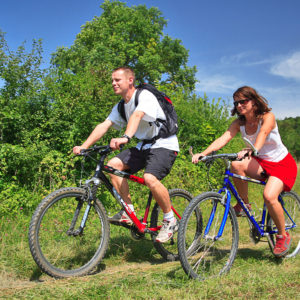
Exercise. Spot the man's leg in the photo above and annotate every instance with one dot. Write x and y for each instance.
(120, 183)
(158, 165)
(122, 187)
(159, 192)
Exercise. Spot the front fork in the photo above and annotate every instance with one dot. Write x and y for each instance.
(226, 202)
(90, 196)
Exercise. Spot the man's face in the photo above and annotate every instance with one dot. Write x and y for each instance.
(121, 82)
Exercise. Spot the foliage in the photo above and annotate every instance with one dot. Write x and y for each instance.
(45, 112)
(131, 36)
(289, 130)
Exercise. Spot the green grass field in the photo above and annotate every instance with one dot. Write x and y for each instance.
(134, 270)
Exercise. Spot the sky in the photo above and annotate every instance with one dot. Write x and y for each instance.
(231, 42)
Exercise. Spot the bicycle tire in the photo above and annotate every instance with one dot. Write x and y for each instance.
(204, 257)
(292, 205)
(179, 199)
(58, 253)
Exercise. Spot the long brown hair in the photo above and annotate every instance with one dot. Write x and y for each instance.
(260, 103)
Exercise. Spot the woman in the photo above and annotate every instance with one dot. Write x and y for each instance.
(256, 122)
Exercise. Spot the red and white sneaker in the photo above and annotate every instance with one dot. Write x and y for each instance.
(282, 245)
(121, 217)
(167, 230)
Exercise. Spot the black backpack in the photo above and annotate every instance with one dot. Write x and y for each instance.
(169, 126)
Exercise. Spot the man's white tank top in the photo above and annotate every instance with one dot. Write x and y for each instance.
(273, 149)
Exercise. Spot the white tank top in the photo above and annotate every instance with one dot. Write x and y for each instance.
(273, 149)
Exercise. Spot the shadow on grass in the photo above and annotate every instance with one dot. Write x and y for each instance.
(133, 251)
(261, 255)
(122, 247)
(245, 254)
(37, 273)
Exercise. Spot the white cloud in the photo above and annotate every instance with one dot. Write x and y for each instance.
(288, 67)
(217, 84)
(235, 58)
(245, 59)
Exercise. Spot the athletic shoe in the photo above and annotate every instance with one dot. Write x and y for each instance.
(167, 230)
(282, 245)
(239, 211)
(121, 217)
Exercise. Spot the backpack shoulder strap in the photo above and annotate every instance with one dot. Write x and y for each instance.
(121, 109)
(139, 89)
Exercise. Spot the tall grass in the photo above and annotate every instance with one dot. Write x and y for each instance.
(134, 270)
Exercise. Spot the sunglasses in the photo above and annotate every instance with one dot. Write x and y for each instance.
(243, 101)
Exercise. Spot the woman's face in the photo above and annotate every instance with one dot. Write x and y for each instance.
(243, 105)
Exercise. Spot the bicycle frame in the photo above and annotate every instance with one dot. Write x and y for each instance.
(99, 177)
(228, 189)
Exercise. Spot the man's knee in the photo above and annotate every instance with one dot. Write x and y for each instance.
(116, 163)
(150, 180)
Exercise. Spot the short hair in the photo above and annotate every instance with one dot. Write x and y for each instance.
(127, 70)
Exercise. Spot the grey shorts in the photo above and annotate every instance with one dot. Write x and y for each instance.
(157, 162)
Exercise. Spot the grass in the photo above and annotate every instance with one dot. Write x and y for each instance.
(134, 270)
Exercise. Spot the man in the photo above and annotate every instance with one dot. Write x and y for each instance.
(156, 158)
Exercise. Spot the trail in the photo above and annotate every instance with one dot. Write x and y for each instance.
(9, 285)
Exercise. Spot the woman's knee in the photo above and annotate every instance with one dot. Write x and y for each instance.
(237, 167)
(269, 197)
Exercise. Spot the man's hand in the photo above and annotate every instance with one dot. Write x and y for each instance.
(117, 142)
(77, 149)
(196, 158)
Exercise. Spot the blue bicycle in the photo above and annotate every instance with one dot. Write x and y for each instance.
(208, 245)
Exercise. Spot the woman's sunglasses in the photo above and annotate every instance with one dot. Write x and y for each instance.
(243, 101)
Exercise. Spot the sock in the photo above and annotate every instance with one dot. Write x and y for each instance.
(169, 216)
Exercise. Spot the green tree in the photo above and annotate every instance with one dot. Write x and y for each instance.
(80, 79)
(46, 112)
(289, 130)
(23, 105)
(131, 36)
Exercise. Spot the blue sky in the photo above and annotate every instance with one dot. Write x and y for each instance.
(231, 42)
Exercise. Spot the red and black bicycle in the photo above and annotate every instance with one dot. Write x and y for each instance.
(69, 231)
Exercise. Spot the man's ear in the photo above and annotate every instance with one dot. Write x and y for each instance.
(131, 80)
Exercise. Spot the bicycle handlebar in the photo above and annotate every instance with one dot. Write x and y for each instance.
(225, 156)
(100, 149)
(211, 157)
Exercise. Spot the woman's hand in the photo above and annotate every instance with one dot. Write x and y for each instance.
(244, 153)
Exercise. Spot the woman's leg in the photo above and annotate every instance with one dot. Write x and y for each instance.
(272, 190)
(246, 167)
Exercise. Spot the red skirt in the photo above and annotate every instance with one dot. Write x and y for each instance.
(285, 170)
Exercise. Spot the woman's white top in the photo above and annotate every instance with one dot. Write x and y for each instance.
(273, 148)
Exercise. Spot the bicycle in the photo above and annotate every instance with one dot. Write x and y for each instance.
(208, 246)
(69, 230)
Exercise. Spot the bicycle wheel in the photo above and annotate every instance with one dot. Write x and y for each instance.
(180, 200)
(291, 202)
(54, 243)
(202, 255)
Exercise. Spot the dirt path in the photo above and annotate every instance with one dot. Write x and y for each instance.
(9, 284)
